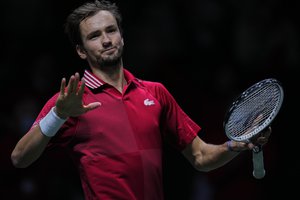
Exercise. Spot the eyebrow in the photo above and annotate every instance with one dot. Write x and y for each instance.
(98, 32)
(93, 33)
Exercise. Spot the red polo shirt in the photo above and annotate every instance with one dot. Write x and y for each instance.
(118, 146)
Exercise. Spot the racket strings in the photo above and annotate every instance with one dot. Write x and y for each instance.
(253, 111)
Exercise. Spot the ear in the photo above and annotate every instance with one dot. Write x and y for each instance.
(80, 51)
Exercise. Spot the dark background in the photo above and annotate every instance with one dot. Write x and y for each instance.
(205, 52)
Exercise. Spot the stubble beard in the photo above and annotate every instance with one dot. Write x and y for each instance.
(111, 62)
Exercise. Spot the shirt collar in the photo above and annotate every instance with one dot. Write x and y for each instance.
(94, 82)
(91, 80)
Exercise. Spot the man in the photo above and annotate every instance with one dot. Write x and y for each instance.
(112, 123)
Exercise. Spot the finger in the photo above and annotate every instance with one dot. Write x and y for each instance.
(262, 140)
(267, 132)
(264, 137)
(77, 76)
(76, 81)
(71, 84)
(250, 146)
(81, 88)
(62, 86)
(92, 106)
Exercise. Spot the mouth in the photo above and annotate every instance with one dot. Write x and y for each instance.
(109, 50)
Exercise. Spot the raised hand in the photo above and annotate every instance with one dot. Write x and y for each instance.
(69, 102)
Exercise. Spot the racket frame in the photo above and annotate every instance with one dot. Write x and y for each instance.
(255, 130)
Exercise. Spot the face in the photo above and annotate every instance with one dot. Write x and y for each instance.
(102, 43)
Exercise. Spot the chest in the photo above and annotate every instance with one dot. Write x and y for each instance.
(122, 124)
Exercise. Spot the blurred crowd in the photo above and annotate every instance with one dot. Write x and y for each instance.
(204, 51)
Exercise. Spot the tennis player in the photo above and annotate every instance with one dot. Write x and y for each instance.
(112, 123)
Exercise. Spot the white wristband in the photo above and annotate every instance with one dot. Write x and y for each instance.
(51, 123)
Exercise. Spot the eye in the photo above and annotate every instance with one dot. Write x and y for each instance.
(94, 36)
(111, 29)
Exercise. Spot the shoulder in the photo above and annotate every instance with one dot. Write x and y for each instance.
(157, 89)
(153, 85)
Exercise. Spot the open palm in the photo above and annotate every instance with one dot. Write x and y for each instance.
(69, 102)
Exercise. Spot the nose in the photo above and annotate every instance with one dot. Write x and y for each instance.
(106, 41)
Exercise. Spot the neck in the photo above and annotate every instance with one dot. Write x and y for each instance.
(113, 76)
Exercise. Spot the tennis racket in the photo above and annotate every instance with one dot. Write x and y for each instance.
(252, 112)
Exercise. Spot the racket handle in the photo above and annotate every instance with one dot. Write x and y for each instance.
(258, 163)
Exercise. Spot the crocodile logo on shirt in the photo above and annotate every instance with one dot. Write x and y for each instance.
(148, 102)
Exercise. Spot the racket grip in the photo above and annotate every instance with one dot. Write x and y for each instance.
(258, 164)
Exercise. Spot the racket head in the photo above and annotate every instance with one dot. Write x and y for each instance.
(253, 110)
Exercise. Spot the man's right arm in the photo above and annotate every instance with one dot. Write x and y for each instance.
(69, 103)
(29, 147)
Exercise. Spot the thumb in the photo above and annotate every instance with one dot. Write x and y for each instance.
(92, 106)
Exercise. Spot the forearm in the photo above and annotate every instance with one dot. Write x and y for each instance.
(206, 157)
(213, 157)
(29, 148)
